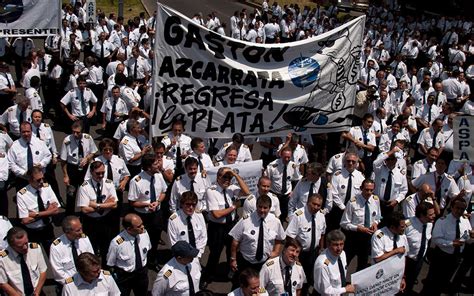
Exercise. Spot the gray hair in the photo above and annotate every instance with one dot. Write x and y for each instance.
(335, 236)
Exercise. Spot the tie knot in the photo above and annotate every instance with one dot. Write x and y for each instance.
(188, 218)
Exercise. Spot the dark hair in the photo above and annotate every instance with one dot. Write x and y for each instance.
(291, 242)
(66, 223)
(238, 138)
(422, 209)
(190, 161)
(15, 233)
(147, 161)
(86, 261)
(264, 200)
(394, 219)
(188, 196)
(195, 142)
(95, 165)
(246, 275)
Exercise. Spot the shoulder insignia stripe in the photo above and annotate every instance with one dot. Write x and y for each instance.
(269, 263)
(69, 280)
(167, 273)
(380, 235)
(326, 262)
(56, 242)
(119, 240)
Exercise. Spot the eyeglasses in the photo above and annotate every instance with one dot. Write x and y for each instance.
(108, 150)
(190, 204)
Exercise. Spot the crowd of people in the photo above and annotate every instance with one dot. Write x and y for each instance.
(387, 187)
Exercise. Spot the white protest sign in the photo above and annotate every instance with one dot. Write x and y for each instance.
(220, 86)
(90, 11)
(383, 278)
(250, 171)
(29, 18)
(463, 148)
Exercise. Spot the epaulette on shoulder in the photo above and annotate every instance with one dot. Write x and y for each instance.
(464, 177)
(294, 165)
(275, 165)
(72, 90)
(46, 125)
(172, 217)
(337, 173)
(22, 191)
(69, 280)
(137, 178)
(419, 161)
(108, 181)
(87, 136)
(83, 235)
(2, 132)
(353, 199)
(125, 141)
(10, 109)
(165, 137)
(85, 183)
(168, 273)
(299, 213)
(407, 222)
(119, 240)
(326, 262)
(88, 89)
(262, 290)
(178, 178)
(106, 272)
(250, 197)
(4, 253)
(245, 146)
(337, 156)
(450, 177)
(226, 144)
(245, 216)
(213, 187)
(45, 184)
(356, 127)
(67, 142)
(33, 245)
(380, 235)
(56, 242)
(408, 198)
(170, 158)
(4, 217)
(376, 197)
(270, 262)
(298, 263)
(2, 155)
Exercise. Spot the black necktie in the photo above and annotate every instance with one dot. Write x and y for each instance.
(192, 238)
(41, 207)
(201, 167)
(22, 118)
(422, 245)
(437, 98)
(388, 187)
(99, 193)
(74, 252)
(139, 143)
(366, 140)
(110, 172)
(228, 218)
(29, 156)
(349, 189)
(438, 189)
(311, 190)
(284, 188)
(259, 253)
(135, 69)
(342, 273)
(433, 145)
(190, 282)
(83, 103)
(191, 185)
(152, 189)
(101, 50)
(179, 160)
(288, 280)
(366, 214)
(25, 274)
(8, 80)
(429, 114)
(114, 109)
(457, 250)
(395, 238)
(312, 245)
(38, 133)
(80, 152)
(138, 257)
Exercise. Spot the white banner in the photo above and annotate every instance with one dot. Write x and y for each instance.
(250, 171)
(463, 148)
(90, 11)
(383, 278)
(220, 86)
(29, 17)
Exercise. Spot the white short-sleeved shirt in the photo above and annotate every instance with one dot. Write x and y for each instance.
(70, 148)
(140, 187)
(382, 242)
(103, 285)
(88, 192)
(272, 276)
(122, 250)
(178, 229)
(246, 232)
(27, 200)
(300, 227)
(76, 99)
(327, 278)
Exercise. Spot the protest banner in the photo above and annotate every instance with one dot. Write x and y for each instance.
(219, 86)
(90, 11)
(249, 171)
(463, 148)
(29, 18)
(383, 278)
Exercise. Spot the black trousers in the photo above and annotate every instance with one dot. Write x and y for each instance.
(412, 270)
(357, 243)
(100, 234)
(307, 260)
(76, 178)
(217, 238)
(153, 223)
(442, 269)
(136, 281)
(333, 218)
(283, 199)
(3, 198)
